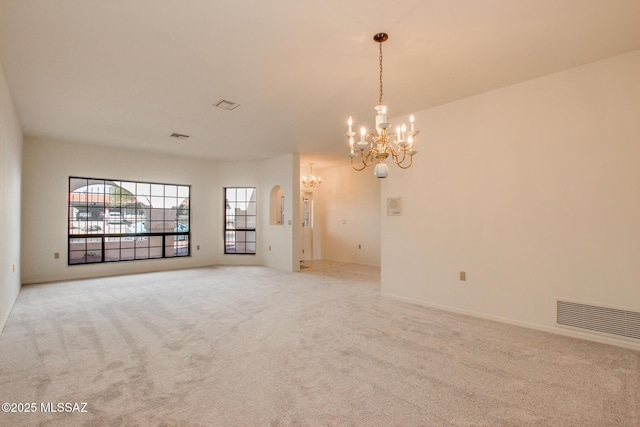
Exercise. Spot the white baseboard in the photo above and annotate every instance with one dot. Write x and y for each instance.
(5, 316)
(553, 330)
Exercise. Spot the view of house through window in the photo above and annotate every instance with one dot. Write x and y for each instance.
(240, 220)
(124, 220)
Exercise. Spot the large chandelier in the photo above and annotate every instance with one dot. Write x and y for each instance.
(377, 146)
(312, 181)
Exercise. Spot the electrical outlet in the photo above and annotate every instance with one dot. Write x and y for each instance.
(359, 246)
(269, 247)
(197, 247)
(463, 276)
(56, 255)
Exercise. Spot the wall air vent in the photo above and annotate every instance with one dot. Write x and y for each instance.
(604, 320)
(179, 136)
(226, 104)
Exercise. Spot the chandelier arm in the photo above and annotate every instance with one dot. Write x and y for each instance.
(371, 138)
(368, 159)
(401, 161)
(395, 154)
(408, 166)
(358, 169)
(394, 135)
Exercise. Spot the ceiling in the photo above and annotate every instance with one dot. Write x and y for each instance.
(129, 73)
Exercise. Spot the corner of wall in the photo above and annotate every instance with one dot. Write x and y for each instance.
(11, 146)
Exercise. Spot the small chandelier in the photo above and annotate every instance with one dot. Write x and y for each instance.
(377, 146)
(312, 181)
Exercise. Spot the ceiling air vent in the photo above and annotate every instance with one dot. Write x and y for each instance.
(226, 104)
(179, 136)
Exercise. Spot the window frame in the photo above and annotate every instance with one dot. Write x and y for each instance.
(102, 246)
(227, 231)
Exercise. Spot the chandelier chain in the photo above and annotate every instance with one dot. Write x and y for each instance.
(380, 98)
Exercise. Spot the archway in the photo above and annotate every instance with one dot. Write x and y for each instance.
(276, 206)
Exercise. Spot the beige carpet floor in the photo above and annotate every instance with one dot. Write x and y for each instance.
(253, 346)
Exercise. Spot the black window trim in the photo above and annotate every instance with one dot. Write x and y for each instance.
(224, 220)
(104, 236)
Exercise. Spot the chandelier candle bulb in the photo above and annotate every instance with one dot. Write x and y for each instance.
(350, 122)
(412, 124)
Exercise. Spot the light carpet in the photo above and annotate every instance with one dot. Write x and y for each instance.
(253, 346)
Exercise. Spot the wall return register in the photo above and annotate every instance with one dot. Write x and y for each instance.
(377, 146)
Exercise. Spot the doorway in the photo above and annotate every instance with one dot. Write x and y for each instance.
(307, 226)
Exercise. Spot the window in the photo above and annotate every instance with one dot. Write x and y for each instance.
(240, 220)
(124, 220)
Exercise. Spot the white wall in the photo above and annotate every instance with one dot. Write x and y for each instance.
(240, 174)
(48, 165)
(264, 175)
(532, 189)
(347, 214)
(283, 239)
(46, 169)
(10, 186)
